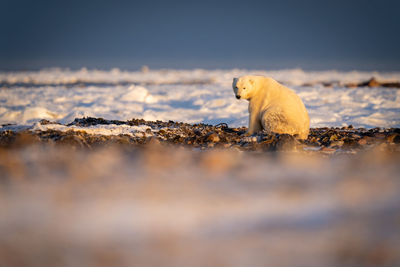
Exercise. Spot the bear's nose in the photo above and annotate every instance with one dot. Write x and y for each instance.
(238, 96)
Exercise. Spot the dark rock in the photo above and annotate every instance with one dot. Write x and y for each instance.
(153, 141)
(286, 142)
(268, 145)
(339, 143)
(365, 140)
(374, 83)
(379, 135)
(327, 84)
(72, 140)
(325, 141)
(393, 138)
(197, 132)
(333, 137)
(391, 84)
(44, 122)
(350, 143)
(213, 137)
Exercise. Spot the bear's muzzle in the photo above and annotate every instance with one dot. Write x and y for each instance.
(237, 96)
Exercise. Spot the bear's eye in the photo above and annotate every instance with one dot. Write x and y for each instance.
(244, 88)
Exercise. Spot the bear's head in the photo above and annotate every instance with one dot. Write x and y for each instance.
(243, 86)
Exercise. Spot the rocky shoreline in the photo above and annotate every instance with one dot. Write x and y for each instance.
(371, 83)
(202, 136)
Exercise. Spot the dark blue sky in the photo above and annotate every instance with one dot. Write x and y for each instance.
(311, 34)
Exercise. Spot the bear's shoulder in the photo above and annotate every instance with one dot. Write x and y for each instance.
(264, 80)
(265, 83)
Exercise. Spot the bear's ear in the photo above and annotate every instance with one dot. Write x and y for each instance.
(251, 81)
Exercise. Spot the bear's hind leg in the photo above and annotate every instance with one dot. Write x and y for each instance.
(276, 123)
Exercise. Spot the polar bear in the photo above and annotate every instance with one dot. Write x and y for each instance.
(272, 106)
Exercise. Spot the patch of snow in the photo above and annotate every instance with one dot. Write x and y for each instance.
(99, 129)
(138, 94)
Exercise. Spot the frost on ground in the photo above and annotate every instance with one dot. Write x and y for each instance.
(163, 206)
(191, 96)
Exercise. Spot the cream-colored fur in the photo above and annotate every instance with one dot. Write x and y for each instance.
(272, 106)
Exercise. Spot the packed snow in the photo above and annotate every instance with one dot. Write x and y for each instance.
(191, 96)
(108, 129)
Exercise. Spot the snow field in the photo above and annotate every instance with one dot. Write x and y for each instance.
(190, 96)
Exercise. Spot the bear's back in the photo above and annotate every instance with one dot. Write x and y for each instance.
(288, 104)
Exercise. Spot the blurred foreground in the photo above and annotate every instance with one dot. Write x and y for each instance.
(163, 205)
